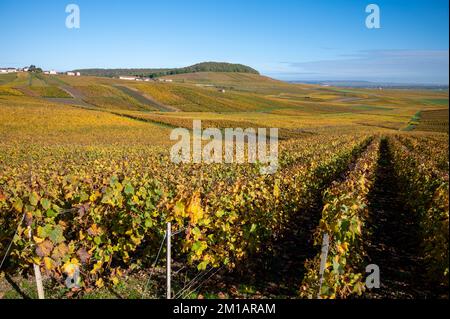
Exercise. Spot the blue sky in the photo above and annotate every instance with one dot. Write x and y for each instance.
(291, 40)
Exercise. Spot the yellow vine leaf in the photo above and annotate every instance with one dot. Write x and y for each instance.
(38, 240)
(99, 283)
(195, 210)
(48, 263)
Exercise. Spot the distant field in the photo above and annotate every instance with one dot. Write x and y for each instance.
(6, 78)
(190, 98)
(440, 102)
(239, 81)
(106, 96)
(225, 78)
(49, 92)
(150, 105)
(433, 120)
(305, 105)
(32, 84)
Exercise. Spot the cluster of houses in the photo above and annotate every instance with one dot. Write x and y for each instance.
(70, 73)
(73, 73)
(50, 72)
(133, 78)
(11, 70)
(26, 69)
(137, 78)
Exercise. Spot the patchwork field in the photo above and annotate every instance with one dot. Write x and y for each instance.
(433, 121)
(86, 180)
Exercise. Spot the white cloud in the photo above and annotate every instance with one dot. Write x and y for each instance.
(405, 66)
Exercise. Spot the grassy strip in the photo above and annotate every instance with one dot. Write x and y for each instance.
(413, 122)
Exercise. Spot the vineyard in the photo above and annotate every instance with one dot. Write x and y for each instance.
(105, 210)
(433, 120)
(94, 188)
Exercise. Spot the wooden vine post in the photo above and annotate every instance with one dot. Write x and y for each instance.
(36, 268)
(169, 259)
(323, 261)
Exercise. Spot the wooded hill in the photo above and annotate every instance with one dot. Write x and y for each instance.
(153, 73)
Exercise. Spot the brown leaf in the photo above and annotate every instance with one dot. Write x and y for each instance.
(60, 251)
(83, 255)
(94, 230)
(28, 218)
(44, 249)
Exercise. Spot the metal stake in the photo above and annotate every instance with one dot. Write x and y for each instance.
(169, 259)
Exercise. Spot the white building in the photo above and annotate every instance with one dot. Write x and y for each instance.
(70, 73)
(128, 78)
(8, 70)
